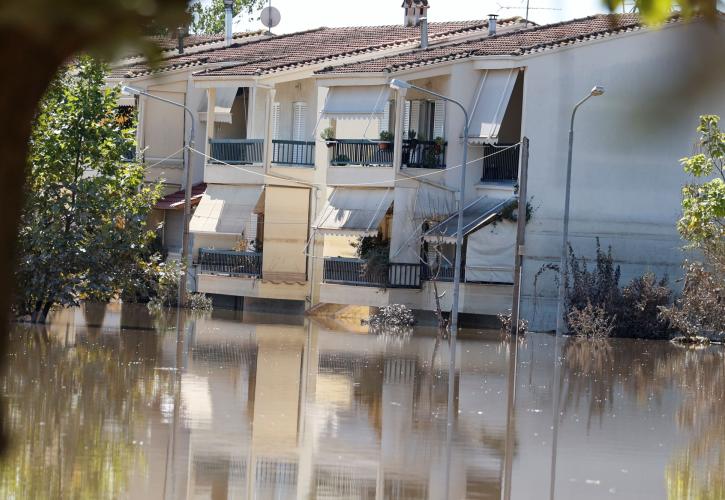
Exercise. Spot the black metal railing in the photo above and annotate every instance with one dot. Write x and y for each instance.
(500, 162)
(424, 154)
(361, 153)
(236, 151)
(299, 153)
(229, 262)
(356, 272)
(445, 273)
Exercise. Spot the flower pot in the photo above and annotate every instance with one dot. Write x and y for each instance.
(384, 146)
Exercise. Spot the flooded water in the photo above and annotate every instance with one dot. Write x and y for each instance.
(112, 403)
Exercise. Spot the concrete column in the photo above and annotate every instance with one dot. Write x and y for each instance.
(251, 111)
(398, 140)
(210, 106)
(405, 241)
(268, 129)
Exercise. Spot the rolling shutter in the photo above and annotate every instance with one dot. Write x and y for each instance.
(439, 119)
(275, 120)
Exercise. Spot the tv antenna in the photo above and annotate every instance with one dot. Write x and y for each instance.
(270, 17)
(527, 8)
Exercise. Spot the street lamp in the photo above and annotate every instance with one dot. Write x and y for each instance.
(563, 268)
(187, 191)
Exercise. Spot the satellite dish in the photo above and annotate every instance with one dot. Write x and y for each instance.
(270, 17)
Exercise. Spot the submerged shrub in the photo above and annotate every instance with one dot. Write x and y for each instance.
(200, 302)
(505, 320)
(591, 322)
(638, 315)
(700, 311)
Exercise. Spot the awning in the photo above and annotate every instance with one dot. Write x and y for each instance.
(125, 101)
(433, 203)
(356, 102)
(175, 201)
(492, 98)
(225, 210)
(354, 212)
(476, 215)
(222, 107)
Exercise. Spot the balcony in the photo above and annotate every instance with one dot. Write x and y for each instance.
(361, 152)
(237, 151)
(229, 263)
(444, 274)
(344, 271)
(294, 153)
(424, 154)
(500, 163)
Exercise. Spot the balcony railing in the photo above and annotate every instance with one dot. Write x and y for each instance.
(361, 153)
(228, 262)
(297, 153)
(501, 163)
(236, 151)
(424, 154)
(445, 273)
(354, 272)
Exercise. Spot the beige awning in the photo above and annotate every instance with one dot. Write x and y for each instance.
(492, 99)
(354, 212)
(225, 210)
(356, 102)
(222, 107)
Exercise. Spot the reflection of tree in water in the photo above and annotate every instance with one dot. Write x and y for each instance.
(71, 411)
(645, 371)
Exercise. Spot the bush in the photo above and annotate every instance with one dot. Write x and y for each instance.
(505, 319)
(200, 302)
(700, 311)
(596, 296)
(591, 322)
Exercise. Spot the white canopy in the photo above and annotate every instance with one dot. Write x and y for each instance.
(475, 216)
(225, 210)
(433, 203)
(222, 107)
(490, 253)
(355, 212)
(492, 98)
(356, 102)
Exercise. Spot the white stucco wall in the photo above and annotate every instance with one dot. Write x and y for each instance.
(626, 178)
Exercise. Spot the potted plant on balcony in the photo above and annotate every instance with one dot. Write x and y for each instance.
(439, 143)
(328, 135)
(386, 139)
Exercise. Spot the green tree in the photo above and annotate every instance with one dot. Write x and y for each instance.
(209, 19)
(656, 11)
(83, 232)
(703, 200)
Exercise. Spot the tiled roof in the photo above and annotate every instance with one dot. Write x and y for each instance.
(525, 41)
(276, 53)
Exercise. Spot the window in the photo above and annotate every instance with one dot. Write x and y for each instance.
(424, 118)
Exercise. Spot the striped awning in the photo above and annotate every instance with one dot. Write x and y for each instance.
(492, 99)
(476, 215)
(225, 210)
(356, 102)
(354, 212)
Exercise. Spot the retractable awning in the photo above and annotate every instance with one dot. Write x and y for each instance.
(175, 201)
(492, 99)
(354, 212)
(433, 203)
(475, 216)
(222, 107)
(356, 102)
(225, 210)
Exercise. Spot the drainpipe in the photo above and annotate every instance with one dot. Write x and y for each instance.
(423, 32)
(228, 22)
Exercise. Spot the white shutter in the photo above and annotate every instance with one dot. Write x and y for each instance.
(385, 120)
(299, 115)
(439, 119)
(275, 120)
(406, 119)
(415, 117)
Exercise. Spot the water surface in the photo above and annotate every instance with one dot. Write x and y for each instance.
(109, 402)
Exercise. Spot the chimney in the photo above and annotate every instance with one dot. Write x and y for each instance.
(180, 33)
(415, 10)
(228, 21)
(423, 32)
(492, 24)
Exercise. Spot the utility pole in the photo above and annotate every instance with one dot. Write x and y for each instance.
(520, 236)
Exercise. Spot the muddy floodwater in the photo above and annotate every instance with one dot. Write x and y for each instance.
(111, 402)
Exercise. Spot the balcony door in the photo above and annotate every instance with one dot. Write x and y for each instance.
(299, 119)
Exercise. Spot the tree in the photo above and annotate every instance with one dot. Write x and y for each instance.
(209, 19)
(703, 200)
(656, 11)
(83, 232)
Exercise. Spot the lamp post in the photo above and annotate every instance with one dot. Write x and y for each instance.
(563, 268)
(398, 85)
(187, 191)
